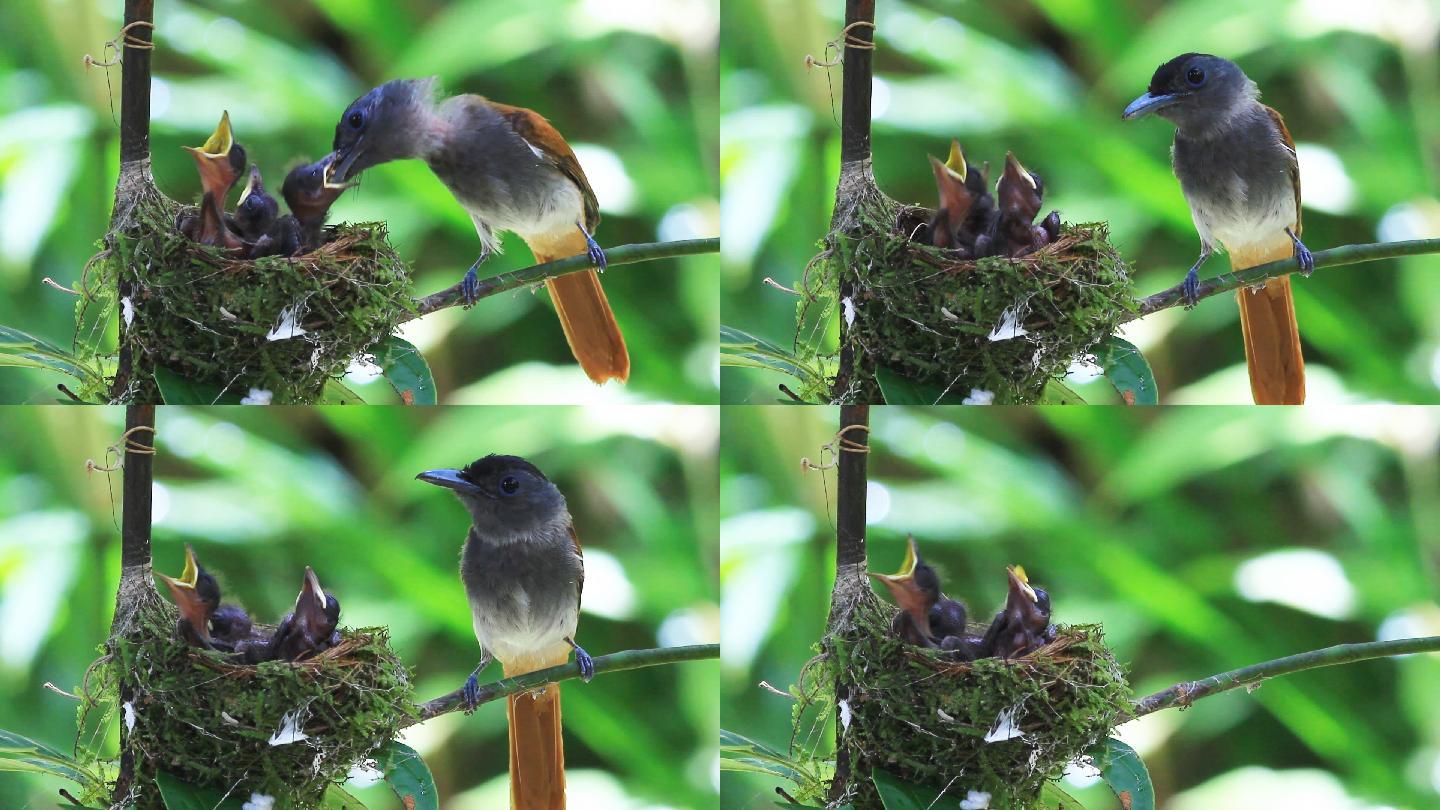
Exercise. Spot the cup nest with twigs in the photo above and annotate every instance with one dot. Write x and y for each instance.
(997, 324)
(996, 726)
(276, 324)
(278, 727)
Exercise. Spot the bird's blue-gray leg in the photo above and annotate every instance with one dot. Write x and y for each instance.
(597, 256)
(1190, 287)
(583, 659)
(1303, 256)
(470, 284)
(471, 693)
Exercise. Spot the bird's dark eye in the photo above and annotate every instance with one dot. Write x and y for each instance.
(355, 119)
(509, 485)
(1195, 76)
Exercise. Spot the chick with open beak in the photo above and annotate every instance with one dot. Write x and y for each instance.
(197, 595)
(220, 160)
(1023, 625)
(927, 617)
(312, 627)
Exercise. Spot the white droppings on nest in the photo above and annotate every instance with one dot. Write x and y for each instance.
(288, 325)
(1009, 326)
(228, 720)
(849, 306)
(975, 800)
(1005, 728)
(943, 716)
(948, 315)
(257, 396)
(844, 707)
(227, 315)
(127, 310)
(289, 731)
(259, 801)
(979, 397)
(129, 709)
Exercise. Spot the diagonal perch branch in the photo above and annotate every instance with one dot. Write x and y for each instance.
(1183, 694)
(615, 662)
(624, 254)
(1334, 257)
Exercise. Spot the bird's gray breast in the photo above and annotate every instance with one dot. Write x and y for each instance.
(493, 172)
(1237, 180)
(522, 592)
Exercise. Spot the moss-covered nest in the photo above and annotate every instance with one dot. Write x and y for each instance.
(210, 722)
(931, 317)
(924, 717)
(206, 316)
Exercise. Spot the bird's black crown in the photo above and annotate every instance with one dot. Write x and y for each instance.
(1165, 75)
(481, 469)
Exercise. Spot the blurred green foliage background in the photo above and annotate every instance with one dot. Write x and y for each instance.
(263, 492)
(1204, 539)
(1358, 83)
(632, 88)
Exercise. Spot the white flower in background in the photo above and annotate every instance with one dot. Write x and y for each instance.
(975, 800)
(259, 801)
(978, 397)
(257, 396)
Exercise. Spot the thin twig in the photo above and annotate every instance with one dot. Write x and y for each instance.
(615, 662)
(515, 279)
(1184, 694)
(1334, 257)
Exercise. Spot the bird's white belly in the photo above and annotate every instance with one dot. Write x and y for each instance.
(557, 210)
(519, 633)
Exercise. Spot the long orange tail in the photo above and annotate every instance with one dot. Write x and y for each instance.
(584, 312)
(1272, 337)
(537, 749)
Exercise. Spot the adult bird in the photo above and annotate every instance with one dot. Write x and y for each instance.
(523, 574)
(312, 627)
(511, 171)
(1237, 168)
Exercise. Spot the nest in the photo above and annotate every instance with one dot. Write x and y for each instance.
(925, 314)
(924, 717)
(211, 722)
(210, 318)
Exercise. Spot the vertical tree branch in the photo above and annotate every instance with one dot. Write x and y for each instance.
(134, 593)
(134, 149)
(852, 483)
(856, 87)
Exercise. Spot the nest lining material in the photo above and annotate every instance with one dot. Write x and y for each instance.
(924, 717)
(923, 313)
(210, 722)
(215, 319)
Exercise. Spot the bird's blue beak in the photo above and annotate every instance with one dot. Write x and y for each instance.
(450, 479)
(1148, 104)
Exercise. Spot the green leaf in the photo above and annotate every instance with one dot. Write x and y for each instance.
(20, 349)
(1058, 393)
(337, 798)
(177, 390)
(1125, 773)
(1053, 798)
(338, 393)
(406, 370)
(740, 753)
(901, 390)
(739, 348)
(897, 794)
(185, 796)
(1128, 370)
(408, 776)
(22, 754)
